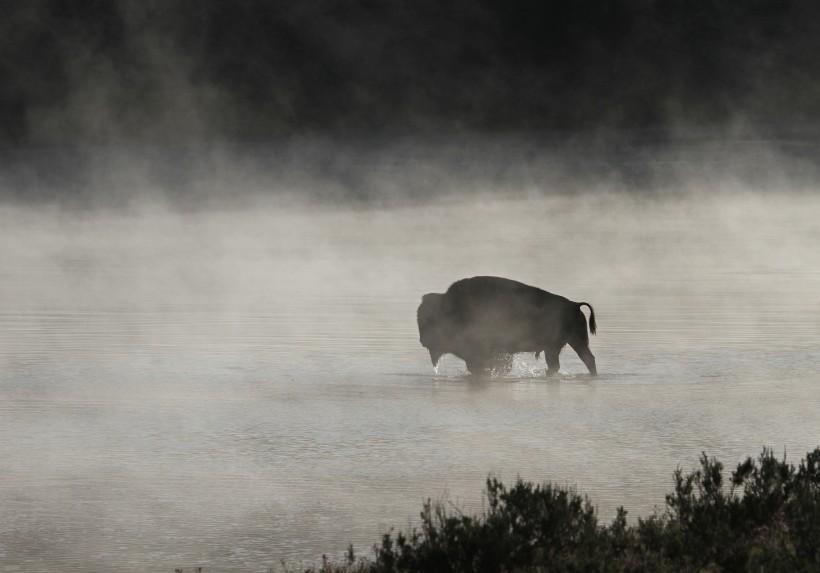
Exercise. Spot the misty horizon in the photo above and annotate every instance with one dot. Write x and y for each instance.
(381, 171)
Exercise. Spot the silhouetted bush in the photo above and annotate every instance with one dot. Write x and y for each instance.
(764, 517)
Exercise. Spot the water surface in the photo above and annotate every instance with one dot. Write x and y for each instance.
(234, 388)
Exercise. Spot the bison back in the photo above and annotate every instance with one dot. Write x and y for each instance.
(505, 314)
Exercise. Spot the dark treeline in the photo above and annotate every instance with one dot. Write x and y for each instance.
(150, 70)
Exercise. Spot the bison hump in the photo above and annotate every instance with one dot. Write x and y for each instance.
(489, 286)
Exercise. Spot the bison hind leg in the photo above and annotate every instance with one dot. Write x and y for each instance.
(553, 363)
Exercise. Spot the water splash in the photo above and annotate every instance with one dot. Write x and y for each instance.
(438, 364)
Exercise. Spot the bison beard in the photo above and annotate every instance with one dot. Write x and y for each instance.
(485, 320)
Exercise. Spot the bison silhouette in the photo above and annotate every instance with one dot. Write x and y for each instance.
(485, 320)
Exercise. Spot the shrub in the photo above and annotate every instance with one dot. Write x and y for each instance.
(765, 517)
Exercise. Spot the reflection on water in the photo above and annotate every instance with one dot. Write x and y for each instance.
(233, 389)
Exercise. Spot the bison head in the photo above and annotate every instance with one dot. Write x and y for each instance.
(433, 323)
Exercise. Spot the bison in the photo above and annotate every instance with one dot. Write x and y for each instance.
(485, 320)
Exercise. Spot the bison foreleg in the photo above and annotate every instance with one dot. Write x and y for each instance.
(476, 364)
(553, 364)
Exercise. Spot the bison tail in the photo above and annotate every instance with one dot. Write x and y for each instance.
(592, 325)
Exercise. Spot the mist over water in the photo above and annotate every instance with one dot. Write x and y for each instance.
(236, 385)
